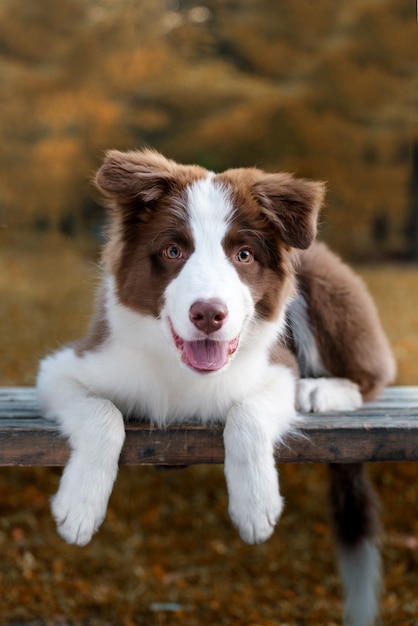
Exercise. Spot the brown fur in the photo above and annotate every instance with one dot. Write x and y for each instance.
(274, 212)
(136, 184)
(98, 331)
(345, 322)
(289, 205)
(281, 355)
(271, 280)
(267, 224)
(354, 506)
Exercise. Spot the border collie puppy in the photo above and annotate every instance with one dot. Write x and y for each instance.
(217, 305)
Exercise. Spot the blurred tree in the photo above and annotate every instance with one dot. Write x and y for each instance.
(327, 90)
(412, 224)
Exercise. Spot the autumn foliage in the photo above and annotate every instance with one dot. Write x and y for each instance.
(323, 89)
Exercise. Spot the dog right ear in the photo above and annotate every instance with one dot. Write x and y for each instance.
(142, 176)
(291, 204)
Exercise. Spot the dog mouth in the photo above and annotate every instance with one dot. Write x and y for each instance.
(204, 355)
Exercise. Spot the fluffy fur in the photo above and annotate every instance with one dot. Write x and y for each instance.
(217, 305)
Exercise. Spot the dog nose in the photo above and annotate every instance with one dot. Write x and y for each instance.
(208, 315)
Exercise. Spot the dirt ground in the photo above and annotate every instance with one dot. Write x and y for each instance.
(167, 553)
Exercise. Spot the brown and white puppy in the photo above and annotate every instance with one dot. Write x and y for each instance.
(217, 305)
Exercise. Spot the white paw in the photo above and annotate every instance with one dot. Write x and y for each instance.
(95, 429)
(327, 394)
(255, 503)
(79, 506)
(77, 519)
(255, 521)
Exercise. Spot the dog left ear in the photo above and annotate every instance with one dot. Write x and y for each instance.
(142, 176)
(292, 205)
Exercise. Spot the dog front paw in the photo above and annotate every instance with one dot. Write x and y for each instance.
(79, 506)
(327, 394)
(78, 516)
(256, 521)
(255, 503)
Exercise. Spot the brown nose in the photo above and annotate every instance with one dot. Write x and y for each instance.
(208, 315)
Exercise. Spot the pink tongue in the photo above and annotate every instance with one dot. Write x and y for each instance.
(206, 355)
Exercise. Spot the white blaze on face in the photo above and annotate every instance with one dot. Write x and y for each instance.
(207, 275)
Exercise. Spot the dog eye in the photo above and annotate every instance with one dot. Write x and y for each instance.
(245, 255)
(172, 252)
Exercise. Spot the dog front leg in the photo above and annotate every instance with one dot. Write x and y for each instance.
(79, 506)
(252, 429)
(96, 432)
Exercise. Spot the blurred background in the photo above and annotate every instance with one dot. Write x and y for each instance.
(327, 90)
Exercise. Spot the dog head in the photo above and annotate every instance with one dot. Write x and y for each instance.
(208, 255)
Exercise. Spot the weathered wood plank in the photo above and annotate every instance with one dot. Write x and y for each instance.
(384, 430)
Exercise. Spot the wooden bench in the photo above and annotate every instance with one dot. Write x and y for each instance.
(384, 430)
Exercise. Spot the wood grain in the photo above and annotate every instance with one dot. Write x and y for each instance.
(384, 430)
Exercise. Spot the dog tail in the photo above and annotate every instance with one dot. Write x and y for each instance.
(354, 509)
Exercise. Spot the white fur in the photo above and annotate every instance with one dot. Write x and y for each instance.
(316, 390)
(309, 360)
(255, 503)
(360, 574)
(137, 370)
(96, 434)
(328, 394)
(209, 274)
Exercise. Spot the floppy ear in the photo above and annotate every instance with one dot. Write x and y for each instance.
(143, 175)
(292, 205)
